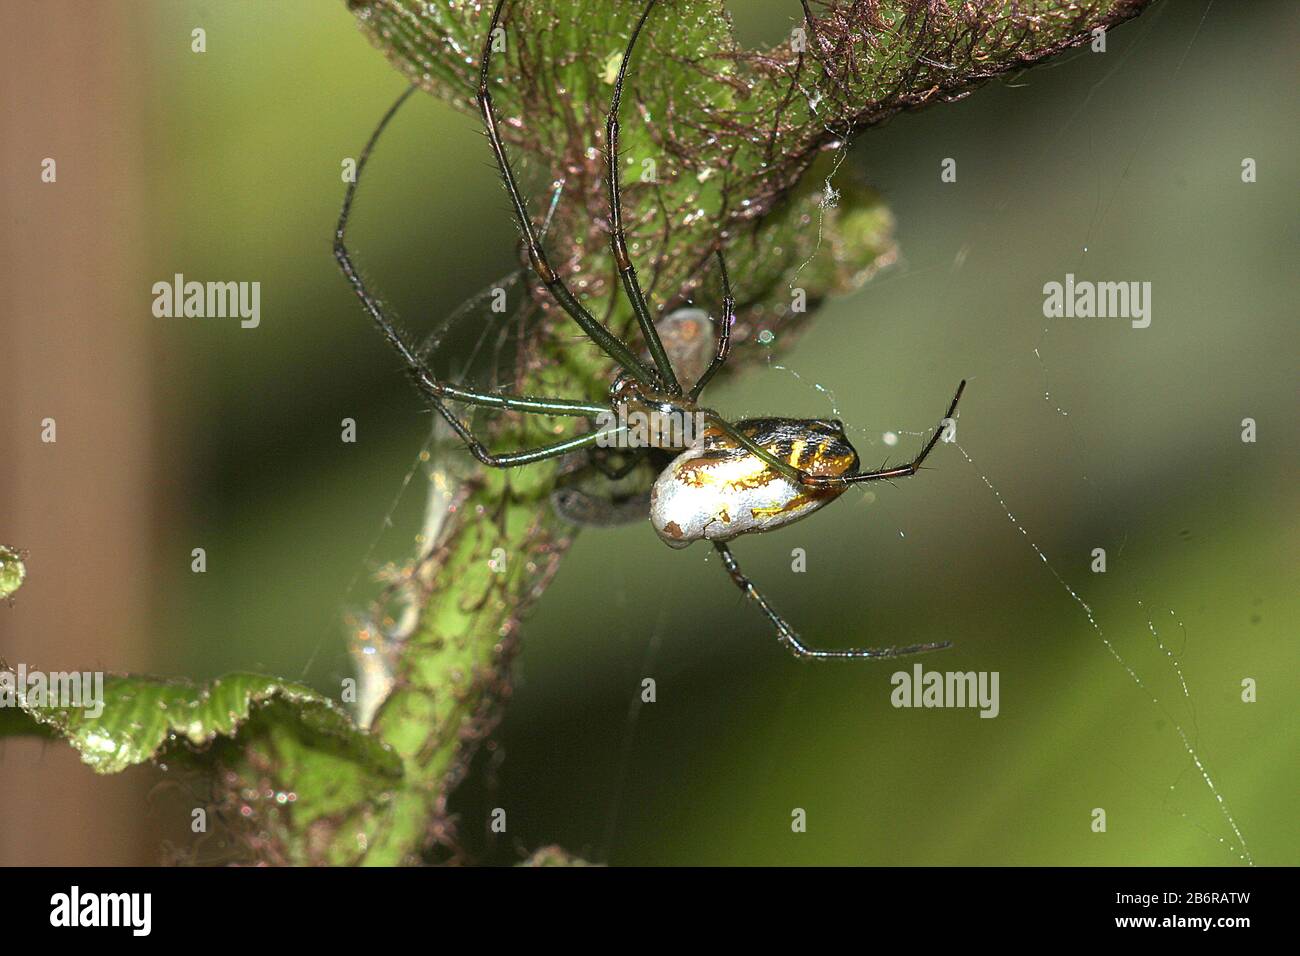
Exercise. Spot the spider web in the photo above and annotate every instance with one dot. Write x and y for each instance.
(476, 345)
(1180, 712)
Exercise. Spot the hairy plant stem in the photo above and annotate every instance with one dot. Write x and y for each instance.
(497, 553)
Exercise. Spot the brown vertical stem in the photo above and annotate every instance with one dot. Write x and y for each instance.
(73, 345)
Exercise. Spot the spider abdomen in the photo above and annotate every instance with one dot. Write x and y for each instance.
(718, 490)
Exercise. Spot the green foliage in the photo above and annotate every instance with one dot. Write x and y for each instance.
(718, 144)
(715, 139)
(148, 718)
(285, 757)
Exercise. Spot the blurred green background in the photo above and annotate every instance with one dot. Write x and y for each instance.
(1116, 166)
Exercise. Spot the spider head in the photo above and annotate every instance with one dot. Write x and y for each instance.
(653, 418)
(624, 390)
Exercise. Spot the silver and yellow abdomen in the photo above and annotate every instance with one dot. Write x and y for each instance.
(718, 490)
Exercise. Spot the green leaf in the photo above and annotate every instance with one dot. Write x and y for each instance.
(714, 142)
(715, 138)
(147, 719)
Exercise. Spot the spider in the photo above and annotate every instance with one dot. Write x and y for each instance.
(737, 477)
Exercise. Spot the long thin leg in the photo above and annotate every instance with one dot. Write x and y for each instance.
(754, 448)
(799, 476)
(431, 343)
(617, 237)
(513, 459)
(609, 343)
(902, 471)
(438, 391)
(790, 639)
(724, 333)
(423, 377)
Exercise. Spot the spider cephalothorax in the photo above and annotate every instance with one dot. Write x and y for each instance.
(728, 478)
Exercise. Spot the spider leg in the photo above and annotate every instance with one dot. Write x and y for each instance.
(799, 476)
(724, 333)
(618, 239)
(901, 471)
(433, 389)
(790, 639)
(783, 468)
(609, 343)
(514, 459)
